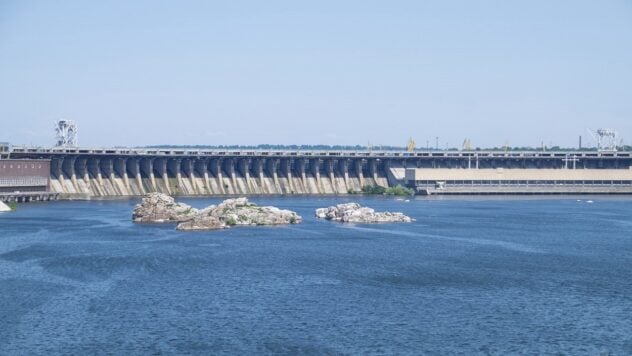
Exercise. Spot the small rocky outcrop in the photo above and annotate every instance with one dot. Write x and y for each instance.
(238, 212)
(161, 208)
(354, 213)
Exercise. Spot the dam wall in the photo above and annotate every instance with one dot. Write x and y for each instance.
(130, 176)
(96, 172)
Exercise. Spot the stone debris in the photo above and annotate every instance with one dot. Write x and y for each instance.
(354, 213)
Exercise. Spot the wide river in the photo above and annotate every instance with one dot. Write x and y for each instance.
(470, 276)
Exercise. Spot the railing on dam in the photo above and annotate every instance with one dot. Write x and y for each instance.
(380, 159)
(317, 153)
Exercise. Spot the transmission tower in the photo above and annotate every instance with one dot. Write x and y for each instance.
(66, 133)
(410, 146)
(467, 145)
(606, 139)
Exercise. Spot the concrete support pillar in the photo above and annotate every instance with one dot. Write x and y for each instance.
(243, 165)
(120, 167)
(92, 167)
(286, 168)
(229, 165)
(174, 167)
(187, 166)
(216, 168)
(300, 169)
(315, 167)
(201, 165)
(387, 163)
(55, 167)
(358, 169)
(146, 168)
(68, 168)
(106, 167)
(373, 169)
(177, 170)
(96, 168)
(60, 176)
(329, 168)
(132, 169)
(258, 168)
(81, 169)
(272, 166)
(344, 168)
(161, 166)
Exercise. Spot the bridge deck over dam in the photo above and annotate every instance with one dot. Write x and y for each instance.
(133, 171)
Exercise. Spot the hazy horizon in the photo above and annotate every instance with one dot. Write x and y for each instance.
(281, 72)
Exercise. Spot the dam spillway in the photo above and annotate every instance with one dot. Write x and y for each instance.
(130, 172)
(95, 172)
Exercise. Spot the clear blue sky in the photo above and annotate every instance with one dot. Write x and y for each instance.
(331, 72)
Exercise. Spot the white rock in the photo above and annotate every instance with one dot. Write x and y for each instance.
(239, 212)
(354, 213)
(161, 208)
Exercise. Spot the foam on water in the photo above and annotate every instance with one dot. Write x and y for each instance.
(502, 244)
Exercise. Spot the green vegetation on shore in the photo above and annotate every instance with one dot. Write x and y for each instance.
(12, 205)
(373, 190)
(398, 190)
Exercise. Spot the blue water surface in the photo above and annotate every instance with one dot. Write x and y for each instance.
(470, 276)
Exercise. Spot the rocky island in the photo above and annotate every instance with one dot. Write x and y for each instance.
(161, 208)
(354, 213)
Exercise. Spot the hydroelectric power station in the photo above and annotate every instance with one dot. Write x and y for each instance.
(67, 171)
(96, 172)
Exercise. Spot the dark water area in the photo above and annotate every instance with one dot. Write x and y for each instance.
(470, 276)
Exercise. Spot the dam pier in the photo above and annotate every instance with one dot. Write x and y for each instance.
(97, 172)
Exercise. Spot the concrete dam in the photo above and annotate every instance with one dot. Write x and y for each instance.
(102, 173)
(89, 172)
